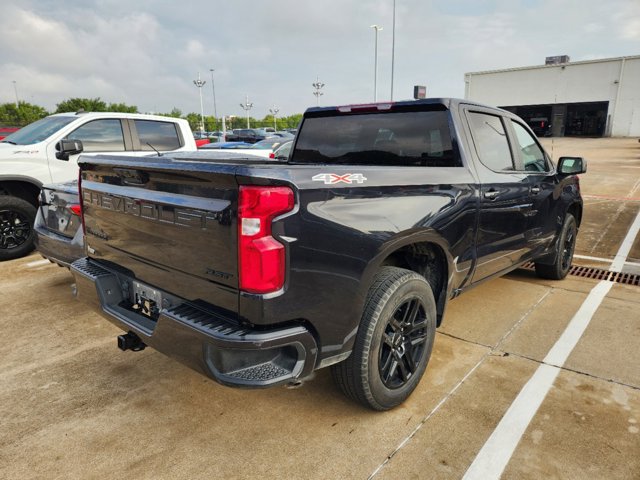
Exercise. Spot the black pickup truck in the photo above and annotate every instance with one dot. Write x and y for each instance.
(257, 272)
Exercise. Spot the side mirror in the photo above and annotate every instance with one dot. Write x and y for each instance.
(572, 165)
(67, 147)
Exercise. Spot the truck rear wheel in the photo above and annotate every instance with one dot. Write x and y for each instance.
(394, 341)
(16, 227)
(564, 252)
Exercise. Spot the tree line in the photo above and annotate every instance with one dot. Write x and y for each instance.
(24, 113)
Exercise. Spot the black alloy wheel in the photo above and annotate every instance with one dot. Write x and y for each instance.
(16, 227)
(393, 343)
(568, 248)
(403, 345)
(565, 246)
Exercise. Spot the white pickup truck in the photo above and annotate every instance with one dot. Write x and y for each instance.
(31, 157)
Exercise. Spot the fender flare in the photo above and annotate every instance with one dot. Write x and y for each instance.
(396, 243)
(20, 179)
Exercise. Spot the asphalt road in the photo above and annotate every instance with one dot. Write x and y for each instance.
(73, 406)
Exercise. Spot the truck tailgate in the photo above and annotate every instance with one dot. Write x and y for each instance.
(172, 230)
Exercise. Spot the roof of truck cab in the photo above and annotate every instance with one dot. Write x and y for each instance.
(135, 116)
(449, 103)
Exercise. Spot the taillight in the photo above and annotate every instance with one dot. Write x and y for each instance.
(261, 258)
(272, 155)
(84, 230)
(76, 209)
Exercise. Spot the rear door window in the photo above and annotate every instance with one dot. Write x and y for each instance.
(100, 135)
(490, 139)
(158, 135)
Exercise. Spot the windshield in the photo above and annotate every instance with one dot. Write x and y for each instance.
(418, 138)
(38, 131)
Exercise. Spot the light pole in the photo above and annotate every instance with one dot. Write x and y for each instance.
(215, 110)
(377, 28)
(393, 46)
(246, 107)
(274, 111)
(15, 89)
(200, 83)
(317, 87)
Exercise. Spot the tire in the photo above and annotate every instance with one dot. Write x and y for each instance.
(564, 252)
(16, 227)
(397, 328)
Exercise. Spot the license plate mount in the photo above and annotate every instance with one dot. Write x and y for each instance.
(146, 300)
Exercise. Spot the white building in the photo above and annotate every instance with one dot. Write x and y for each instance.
(589, 98)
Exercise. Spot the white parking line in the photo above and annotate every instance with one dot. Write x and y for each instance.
(495, 454)
(37, 263)
(621, 257)
(459, 384)
(604, 260)
(498, 449)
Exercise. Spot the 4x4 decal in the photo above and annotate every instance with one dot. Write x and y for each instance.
(333, 178)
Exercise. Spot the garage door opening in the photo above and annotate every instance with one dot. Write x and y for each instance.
(587, 119)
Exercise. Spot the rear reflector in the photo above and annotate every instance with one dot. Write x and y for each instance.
(261, 258)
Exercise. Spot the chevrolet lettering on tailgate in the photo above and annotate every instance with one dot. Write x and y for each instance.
(187, 217)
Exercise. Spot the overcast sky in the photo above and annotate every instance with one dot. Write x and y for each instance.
(148, 52)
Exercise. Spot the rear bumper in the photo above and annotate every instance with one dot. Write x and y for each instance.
(55, 247)
(207, 341)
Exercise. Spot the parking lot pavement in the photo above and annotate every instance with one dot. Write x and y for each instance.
(72, 405)
(611, 190)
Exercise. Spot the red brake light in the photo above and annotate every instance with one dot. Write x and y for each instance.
(84, 229)
(261, 258)
(76, 209)
(272, 155)
(365, 107)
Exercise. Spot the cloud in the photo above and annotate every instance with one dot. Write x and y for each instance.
(631, 29)
(149, 52)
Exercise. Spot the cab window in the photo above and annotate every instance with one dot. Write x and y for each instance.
(100, 136)
(531, 153)
(490, 139)
(155, 135)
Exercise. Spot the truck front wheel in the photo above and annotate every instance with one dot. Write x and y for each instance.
(394, 341)
(564, 252)
(16, 227)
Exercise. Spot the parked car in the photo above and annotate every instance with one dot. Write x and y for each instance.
(5, 131)
(263, 148)
(249, 135)
(226, 146)
(58, 223)
(46, 151)
(257, 273)
(268, 144)
(282, 152)
(283, 134)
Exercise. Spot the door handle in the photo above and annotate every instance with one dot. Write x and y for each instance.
(491, 194)
(535, 189)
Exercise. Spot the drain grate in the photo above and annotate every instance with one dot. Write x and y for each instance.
(597, 274)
